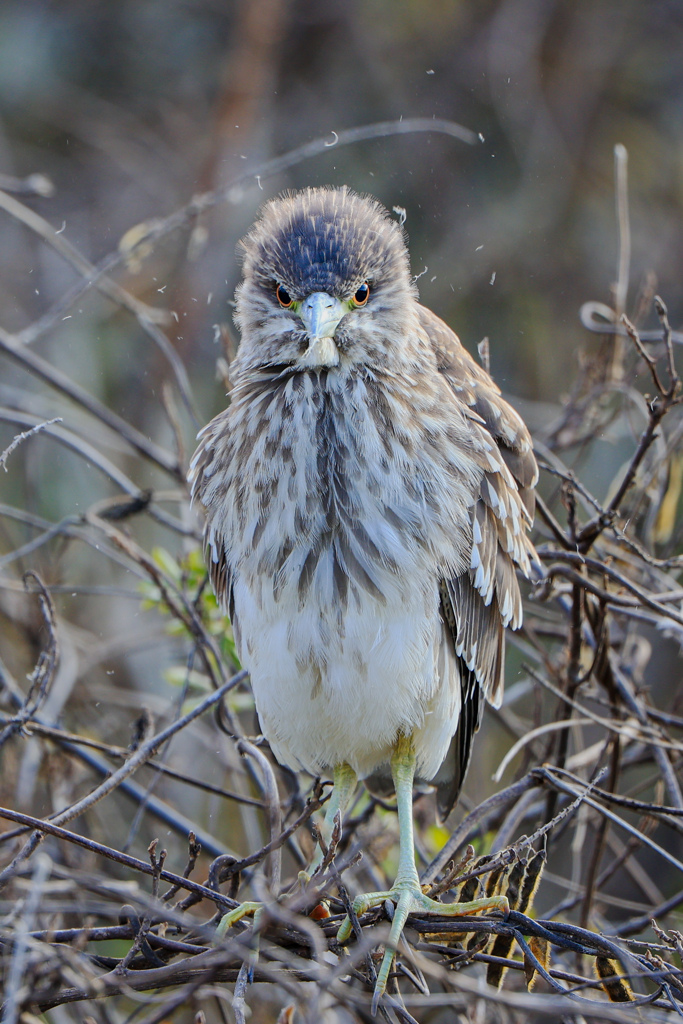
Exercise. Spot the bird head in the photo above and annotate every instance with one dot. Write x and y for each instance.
(326, 283)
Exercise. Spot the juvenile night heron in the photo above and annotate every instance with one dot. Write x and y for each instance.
(368, 494)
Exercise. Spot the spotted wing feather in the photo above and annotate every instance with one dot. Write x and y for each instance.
(203, 467)
(477, 605)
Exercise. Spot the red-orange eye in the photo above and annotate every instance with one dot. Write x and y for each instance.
(283, 297)
(362, 295)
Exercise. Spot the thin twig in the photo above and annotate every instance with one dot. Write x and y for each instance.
(24, 436)
(141, 755)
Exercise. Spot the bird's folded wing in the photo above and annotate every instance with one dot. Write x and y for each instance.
(478, 604)
(203, 478)
(486, 598)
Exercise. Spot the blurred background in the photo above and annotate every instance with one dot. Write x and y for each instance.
(130, 109)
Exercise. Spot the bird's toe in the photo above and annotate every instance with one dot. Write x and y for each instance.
(246, 909)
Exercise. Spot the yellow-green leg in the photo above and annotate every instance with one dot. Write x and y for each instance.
(406, 892)
(344, 785)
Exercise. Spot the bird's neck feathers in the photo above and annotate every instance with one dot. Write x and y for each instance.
(257, 383)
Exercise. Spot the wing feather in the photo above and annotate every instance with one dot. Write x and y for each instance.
(204, 472)
(478, 604)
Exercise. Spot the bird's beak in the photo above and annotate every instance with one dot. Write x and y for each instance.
(321, 313)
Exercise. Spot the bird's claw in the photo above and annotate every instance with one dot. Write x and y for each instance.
(409, 899)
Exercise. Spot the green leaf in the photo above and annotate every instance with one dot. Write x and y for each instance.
(178, 675)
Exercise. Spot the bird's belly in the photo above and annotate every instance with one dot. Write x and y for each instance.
(334, 688)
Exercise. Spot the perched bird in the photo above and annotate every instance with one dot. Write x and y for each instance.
(368, 494)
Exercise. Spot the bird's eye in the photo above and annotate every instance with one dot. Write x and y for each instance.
(362, 295)
(283, 297)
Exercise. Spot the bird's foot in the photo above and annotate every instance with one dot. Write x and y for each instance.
(245, 909)
(409, 899)
(258, 909)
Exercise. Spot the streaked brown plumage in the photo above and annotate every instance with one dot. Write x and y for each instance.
(368, 494)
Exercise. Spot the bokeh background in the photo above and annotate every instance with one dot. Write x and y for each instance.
(129, 109)
(132, 107)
